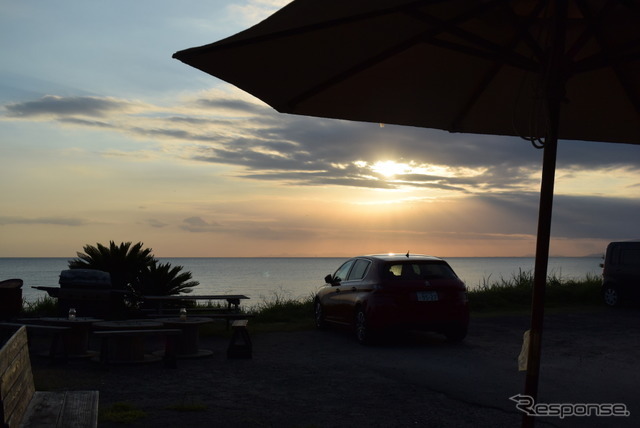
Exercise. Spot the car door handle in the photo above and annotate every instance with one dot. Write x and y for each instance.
(354, 289)
(337, 290)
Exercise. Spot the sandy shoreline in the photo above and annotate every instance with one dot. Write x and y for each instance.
(325, 379)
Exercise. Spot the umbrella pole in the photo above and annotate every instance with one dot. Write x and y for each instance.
(540, 273)
(554, 80)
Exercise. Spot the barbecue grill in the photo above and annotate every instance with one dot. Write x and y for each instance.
(90, 292)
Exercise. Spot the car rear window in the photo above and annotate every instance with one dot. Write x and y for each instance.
(418, 270)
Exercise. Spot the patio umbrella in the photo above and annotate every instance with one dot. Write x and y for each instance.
(542, 70)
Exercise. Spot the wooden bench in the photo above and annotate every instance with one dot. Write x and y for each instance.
(170, 352)
(240, 344)
(23, 406)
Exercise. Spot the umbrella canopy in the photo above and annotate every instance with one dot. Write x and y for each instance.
(458, 65)
(542, 70)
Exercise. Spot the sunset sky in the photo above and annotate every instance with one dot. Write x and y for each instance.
(103, 136)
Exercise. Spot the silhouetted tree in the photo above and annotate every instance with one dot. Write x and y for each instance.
(124, 262)
(161, 279)
(134, 267)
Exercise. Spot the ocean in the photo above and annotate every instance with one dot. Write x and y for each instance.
(261, 279)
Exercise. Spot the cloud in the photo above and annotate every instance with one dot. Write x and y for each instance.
(57, 106)
(254, 11)
(278, 232)
(87, 123)
(197, 224)
(574, 217)
(231, 128)
(254, 231)
(156, 223)
(595, 217)
(228, 104)
(273, 146)
(57, 221)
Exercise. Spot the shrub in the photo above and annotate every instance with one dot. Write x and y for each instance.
(281, 308)
(42, 307)
(515, 294)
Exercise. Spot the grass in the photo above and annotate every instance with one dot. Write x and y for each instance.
(492, 297)
(283, 313)
(43, 307)
(122, 413)
(514, 295)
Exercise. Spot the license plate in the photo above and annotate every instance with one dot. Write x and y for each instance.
(427, 296)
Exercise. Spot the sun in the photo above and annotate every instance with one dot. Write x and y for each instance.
(390, 168)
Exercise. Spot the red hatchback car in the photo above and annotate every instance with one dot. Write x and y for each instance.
(385, 292)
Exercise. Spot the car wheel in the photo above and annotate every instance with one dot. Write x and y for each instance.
(362, 329)
(611, 296)
(456, 334)
(319, 315)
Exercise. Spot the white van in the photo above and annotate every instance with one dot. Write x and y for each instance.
(621, 273)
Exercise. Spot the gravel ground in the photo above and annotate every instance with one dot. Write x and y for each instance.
(325, 379)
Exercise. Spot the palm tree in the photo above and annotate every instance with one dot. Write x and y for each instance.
(160, 279)
(134, 267)
(124, 262)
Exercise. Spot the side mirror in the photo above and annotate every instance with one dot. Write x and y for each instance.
(328, 279)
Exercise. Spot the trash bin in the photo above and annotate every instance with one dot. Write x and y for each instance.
(10, 298)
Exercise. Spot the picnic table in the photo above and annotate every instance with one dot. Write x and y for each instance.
(159, 301)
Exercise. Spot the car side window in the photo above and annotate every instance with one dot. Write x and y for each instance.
(343, 271)
(630, 257)
(614, 259)
(359, 270)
